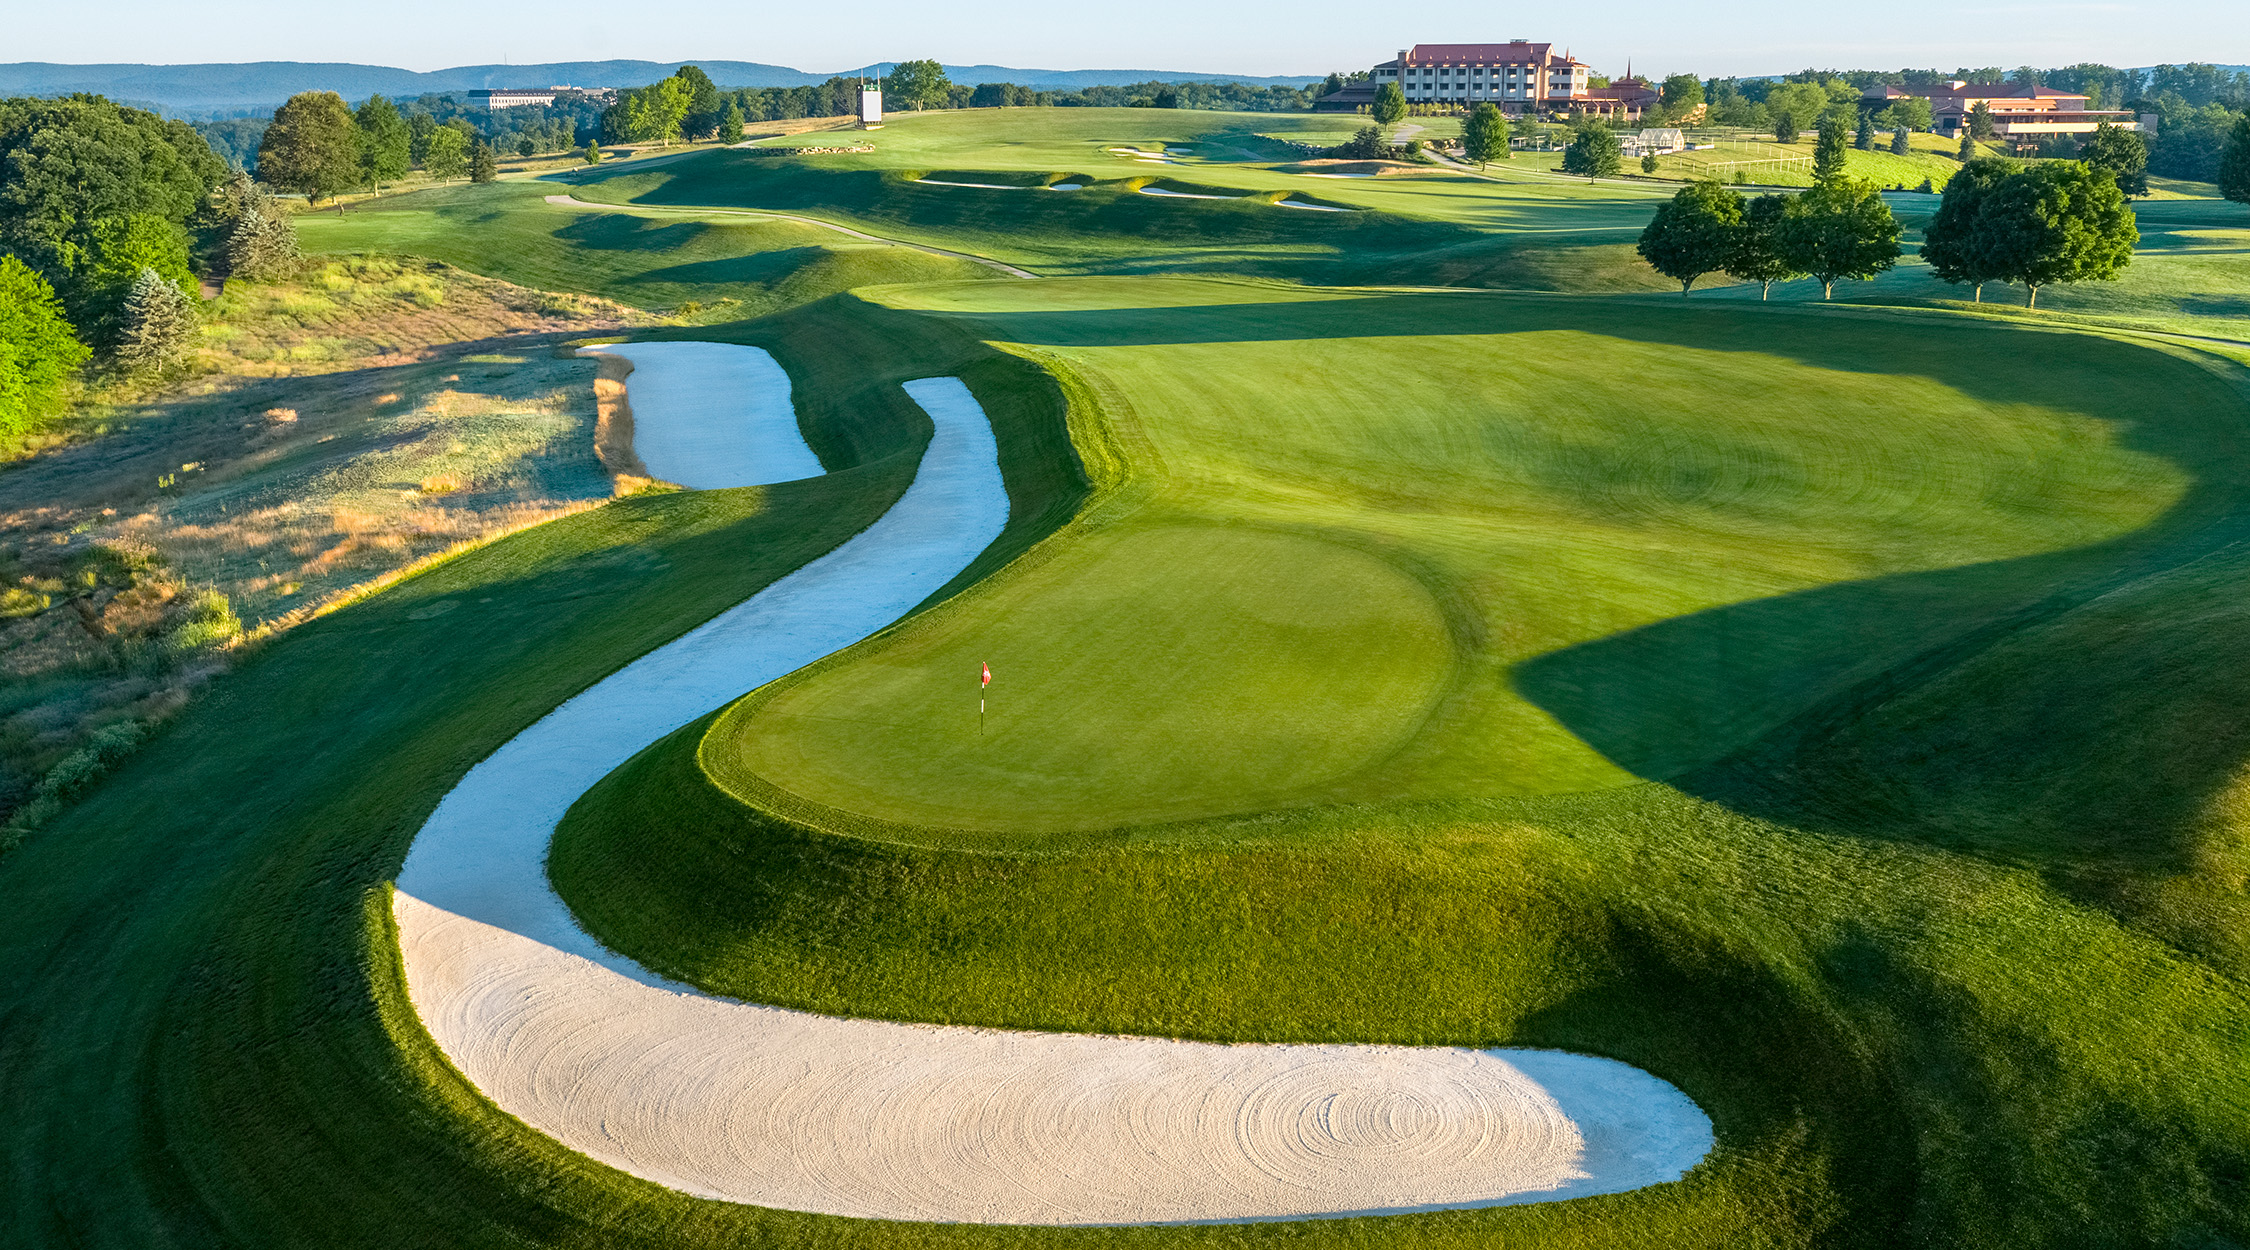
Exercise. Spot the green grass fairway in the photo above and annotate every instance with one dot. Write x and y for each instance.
(650, 260)
(1435, 227)
(1323, 588)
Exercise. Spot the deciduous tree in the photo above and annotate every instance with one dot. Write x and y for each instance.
(38, 350)
(446, 155)
(312, 148)
(2120, 153)
(1784, 127)
(1593, 152)
(917, 85)
(1682, 93)
(1389, 105)
(1759, 255)
(68, 164)
(2060, 221)
(1693, 233)
(1840, 229)
(704, 103)
(1484, 137)
(386, 146)
(1956, 244)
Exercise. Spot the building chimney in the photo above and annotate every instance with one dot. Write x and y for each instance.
(1402, 56)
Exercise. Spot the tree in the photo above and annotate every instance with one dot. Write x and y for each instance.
(419, 127)
(312, 148)
(1901, 142)
(1485, 135)
(1840, 229)
(1957, 245)
(1758, 254)
(446, 156)
(158, 324)
(593, 152)
(386, 146)
(262, 246)
(1167, 97)
(1864, 140)
(1784, 128)
(482, 166)
(655, 113)
(1980, 120)
(2234, 166)
(1648, 162)
(1367, 145)
(1682, 93)
(2060, 221)
(1828, 153)
(1593, 152)
(703, 101)
(917, 85)
(1913, 113)
(1969, 149)
(38, 351)
(730, 123)
(67, 165)
(2120, 153)
(1802, 103)
(1693, 233)
(1389, 105)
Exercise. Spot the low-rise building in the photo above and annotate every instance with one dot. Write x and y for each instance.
(520, 97)
(1623, 100)
(2019, 110)
(1520, 76)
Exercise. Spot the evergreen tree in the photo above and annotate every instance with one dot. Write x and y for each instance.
(1485, 135)
(2234, 166)
(482, 166)
(1828, 153)
(730, 123)
(593, 152)
(158, 324)
(1865, 139)
(1785, 126)
(1956, 244)
(262, 246)
(1648, 162)
(312, 147)
(386, 145)
(1901, 143)
(2120, 153)
(2059, 221)
(1980, 121)
(38, 350)
(1758, 254)
(1593, 152)
(1969, 150)
(1840, 229)
(1694, 233)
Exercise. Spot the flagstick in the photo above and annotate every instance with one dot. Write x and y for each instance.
(980, 716)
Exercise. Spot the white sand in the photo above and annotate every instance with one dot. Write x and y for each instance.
(858, 1117)
(1063, 186)
(1318, 208)
(745, 428)
(984, 186)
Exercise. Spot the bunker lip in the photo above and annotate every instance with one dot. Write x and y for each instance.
(747, 1103)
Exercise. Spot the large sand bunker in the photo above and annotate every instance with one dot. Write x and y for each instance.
(782, 1108)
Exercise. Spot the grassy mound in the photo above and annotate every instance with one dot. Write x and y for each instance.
(1929, 995)
(727, 269)
(1365, 577)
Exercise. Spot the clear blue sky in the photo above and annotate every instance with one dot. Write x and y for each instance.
(1262, 37)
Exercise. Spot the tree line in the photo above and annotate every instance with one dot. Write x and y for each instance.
(108, 214)
(2036, 223)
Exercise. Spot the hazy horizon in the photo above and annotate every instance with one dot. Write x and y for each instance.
(1307, 38)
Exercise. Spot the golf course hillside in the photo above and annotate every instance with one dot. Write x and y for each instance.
(1362, 580)
(989, 181)
(1713, 691)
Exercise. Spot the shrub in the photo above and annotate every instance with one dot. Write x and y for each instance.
(210, 623)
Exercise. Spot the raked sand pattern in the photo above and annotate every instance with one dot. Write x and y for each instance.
(787, 1109)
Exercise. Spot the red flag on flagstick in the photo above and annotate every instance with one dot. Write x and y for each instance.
(986, 679)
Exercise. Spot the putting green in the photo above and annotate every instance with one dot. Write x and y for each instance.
(1348, 525)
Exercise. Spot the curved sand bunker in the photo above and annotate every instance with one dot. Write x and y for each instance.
(781, 1108)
